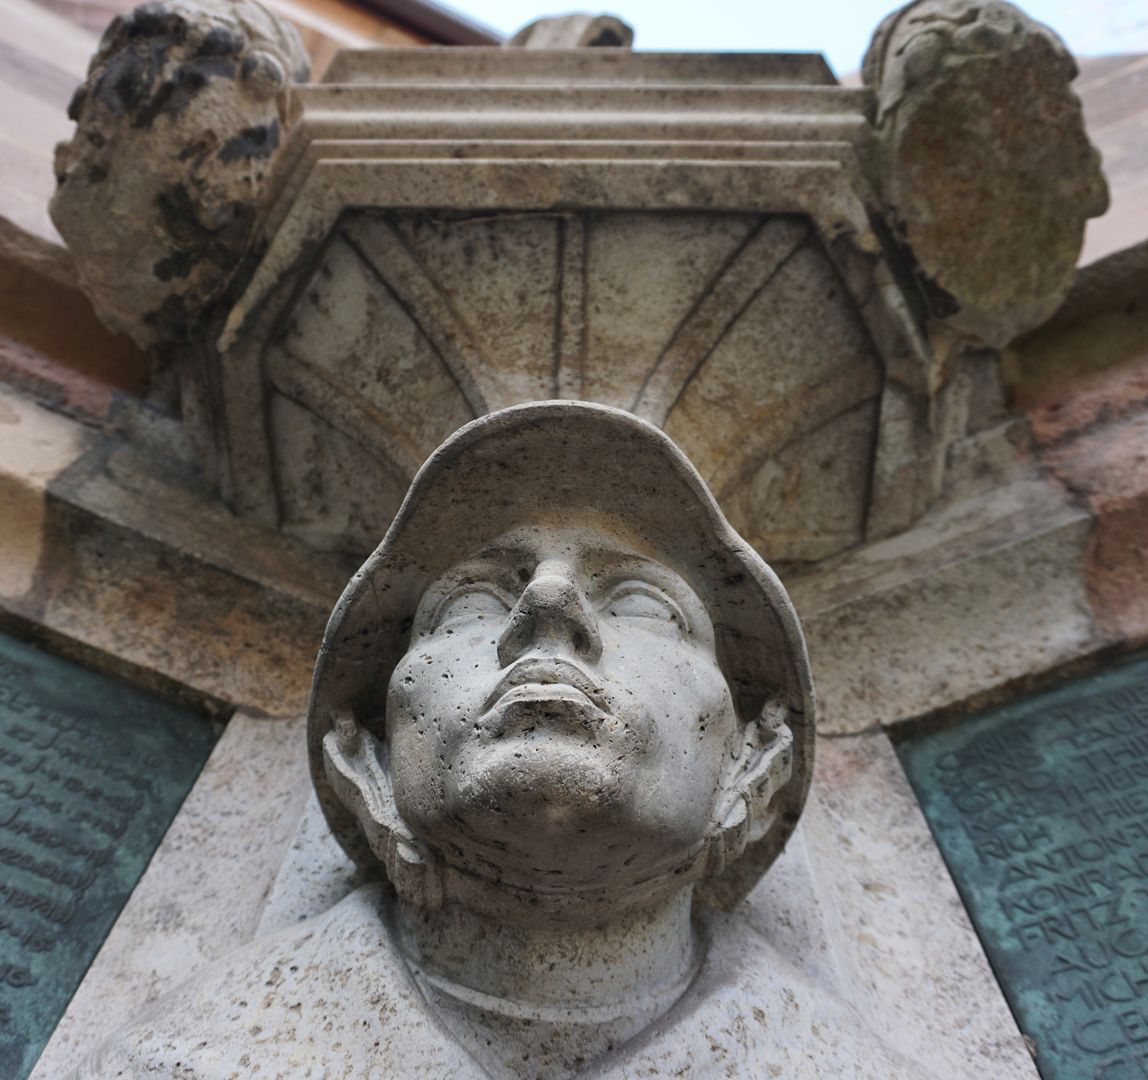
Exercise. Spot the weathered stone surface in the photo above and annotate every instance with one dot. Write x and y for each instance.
(859, 903)
(527, 287)
(411, 324)
(1108, 467)
(109, 554)
(468, 229)
(178, 126)
(516, 67)
(984, 591)
(985, 168)
(316, 874)
(882, 925)
(36, 446)
(1089, 363)
(476, 227)
(578, 31)
(1083, 380)
(900, 939)
(594, 698)
(750, 1009)
(568, 487)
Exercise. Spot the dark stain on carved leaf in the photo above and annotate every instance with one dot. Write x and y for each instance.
(220, 42)
(178, 265)
(185, 83)
(253, 142)
(125, 82)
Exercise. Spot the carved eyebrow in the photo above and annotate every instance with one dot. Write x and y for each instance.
(464, 586)
(622, 564)
(504, 553)
(629, 582)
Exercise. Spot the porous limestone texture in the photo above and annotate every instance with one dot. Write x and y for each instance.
(114, 557)
(306, 992)
(983, 593)
(566, 545)
(549, 707)
(725, 245)
(859, 904)
(686, 237)
(178, 125)
(974, 115)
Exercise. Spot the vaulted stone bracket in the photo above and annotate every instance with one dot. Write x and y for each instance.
(689, 238)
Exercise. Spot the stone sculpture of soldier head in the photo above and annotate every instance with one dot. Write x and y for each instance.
(562, 689)
(566, 708)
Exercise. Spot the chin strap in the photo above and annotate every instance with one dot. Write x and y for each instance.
(357, 771)
(762, 769)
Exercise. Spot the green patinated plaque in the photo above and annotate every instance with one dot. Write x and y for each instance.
(91, 774)
(1041, 811)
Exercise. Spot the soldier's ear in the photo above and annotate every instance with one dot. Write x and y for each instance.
(358, 770)
(760, 769)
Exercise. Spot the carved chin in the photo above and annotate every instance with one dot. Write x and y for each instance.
(538, 800)
(557, 761)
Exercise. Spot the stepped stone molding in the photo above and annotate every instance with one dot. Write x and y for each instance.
(687, 237)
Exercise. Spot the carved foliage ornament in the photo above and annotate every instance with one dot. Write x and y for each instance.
(986, 170)
(177, 127)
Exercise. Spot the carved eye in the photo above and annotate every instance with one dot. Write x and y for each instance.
(641, 601)
(471, 603)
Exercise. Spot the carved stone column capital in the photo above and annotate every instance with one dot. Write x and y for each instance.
(177, 128)
(985, 168)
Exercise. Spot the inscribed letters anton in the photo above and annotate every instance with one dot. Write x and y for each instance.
(1041, 811)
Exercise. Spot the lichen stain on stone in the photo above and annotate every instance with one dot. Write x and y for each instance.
(177, 124)
(254, 142)
(180, 90)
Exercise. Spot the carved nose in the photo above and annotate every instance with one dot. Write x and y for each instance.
(552, 615)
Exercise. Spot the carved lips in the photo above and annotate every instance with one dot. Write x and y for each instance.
(552, 673)
(546, 681)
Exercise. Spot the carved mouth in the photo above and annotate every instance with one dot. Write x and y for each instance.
(547, 679)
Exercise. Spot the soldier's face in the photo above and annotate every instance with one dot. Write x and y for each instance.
(560, 716)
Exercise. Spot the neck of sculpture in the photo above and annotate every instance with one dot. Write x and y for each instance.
(641, 959)
(545, 999)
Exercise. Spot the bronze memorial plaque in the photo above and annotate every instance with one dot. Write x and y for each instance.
(1041, 811)
(92, 772)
